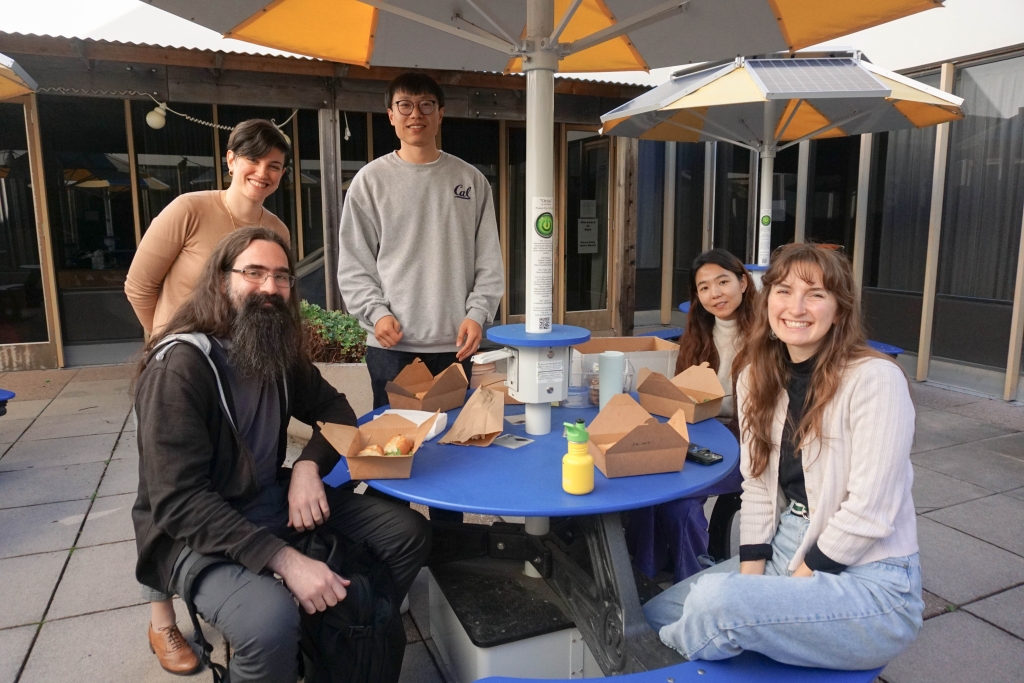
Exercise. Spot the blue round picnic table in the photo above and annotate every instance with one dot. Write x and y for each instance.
(527, 481)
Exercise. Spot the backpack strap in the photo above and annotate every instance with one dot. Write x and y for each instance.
(220, 672)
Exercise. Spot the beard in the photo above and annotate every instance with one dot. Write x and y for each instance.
(265, 338)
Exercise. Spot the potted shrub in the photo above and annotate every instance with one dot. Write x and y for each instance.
(337, 345)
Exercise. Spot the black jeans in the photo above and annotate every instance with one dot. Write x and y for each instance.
(384, 365)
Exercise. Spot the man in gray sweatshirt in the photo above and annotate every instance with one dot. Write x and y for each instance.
(420, 261)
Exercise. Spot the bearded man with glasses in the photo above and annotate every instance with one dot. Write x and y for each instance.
(420, 262)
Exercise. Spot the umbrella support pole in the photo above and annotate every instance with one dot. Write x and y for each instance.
(764, 223)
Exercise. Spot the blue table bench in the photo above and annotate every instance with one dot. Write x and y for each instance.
(749, 666)
(5, 396)
(667, 333)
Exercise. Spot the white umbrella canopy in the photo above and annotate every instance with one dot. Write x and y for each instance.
(538, 37)
(767, 105)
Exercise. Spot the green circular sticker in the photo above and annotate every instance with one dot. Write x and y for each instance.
(766, 220)
(545, 225)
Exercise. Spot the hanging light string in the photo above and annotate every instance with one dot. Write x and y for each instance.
(161, 107)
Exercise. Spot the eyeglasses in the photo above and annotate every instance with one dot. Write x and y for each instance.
(260, 275)
(405, 107)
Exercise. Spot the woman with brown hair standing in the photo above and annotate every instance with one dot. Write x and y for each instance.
(828, 573)
(168, 262)
(720, 315)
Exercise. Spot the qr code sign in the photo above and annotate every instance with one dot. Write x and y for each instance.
(545, 323)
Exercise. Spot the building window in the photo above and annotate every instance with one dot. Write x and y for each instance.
(832, 191)
(92, 225)
(732, 199)
(309, 180)
(650, 209)
(689, 220)
(22, 312)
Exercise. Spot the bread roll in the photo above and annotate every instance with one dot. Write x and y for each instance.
(371, 450)
(398, 445)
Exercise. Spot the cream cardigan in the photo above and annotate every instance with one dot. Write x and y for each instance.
(858, 477)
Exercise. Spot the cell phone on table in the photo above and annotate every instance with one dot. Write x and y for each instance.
(702, 456)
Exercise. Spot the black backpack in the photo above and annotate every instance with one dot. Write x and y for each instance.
(362, 638)
(359, 640)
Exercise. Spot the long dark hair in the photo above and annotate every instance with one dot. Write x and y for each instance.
(698, 344)
(208, 310)
(768, 373)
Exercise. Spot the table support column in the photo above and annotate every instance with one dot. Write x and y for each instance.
(535, 526)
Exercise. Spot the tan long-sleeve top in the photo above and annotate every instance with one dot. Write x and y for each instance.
(174, 250)
(858, 477)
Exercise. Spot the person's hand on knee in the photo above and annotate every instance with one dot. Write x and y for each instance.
(388, 331)
(312, 583)
(307, 500)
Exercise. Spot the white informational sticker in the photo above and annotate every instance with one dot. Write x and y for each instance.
(764, 240)
(588, 208)
(550, 371)
(540, 260)
(586, 236)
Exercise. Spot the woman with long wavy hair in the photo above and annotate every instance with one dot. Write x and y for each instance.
(828, 572)
(720, 315)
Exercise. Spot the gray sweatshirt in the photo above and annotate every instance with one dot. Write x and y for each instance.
(420, 242)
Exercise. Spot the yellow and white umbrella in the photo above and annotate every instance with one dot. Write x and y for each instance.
(13, 79)
(768, 105)
(538, 37)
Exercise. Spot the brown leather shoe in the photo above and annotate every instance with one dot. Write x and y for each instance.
(173, 651)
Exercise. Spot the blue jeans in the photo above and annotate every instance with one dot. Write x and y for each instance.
(859, 619)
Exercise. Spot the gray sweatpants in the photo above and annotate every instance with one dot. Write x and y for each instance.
(258, 615)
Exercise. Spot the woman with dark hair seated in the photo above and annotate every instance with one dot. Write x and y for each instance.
(828, 572)
(720, 315)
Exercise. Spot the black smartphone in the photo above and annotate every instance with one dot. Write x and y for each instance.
(701, 455)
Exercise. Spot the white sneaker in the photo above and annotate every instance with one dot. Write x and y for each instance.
(405, 606)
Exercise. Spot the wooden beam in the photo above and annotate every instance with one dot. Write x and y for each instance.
(133, 170)
(803, 168)
(218, 163)
(331, 197)
(931, 268)
(502, 203)
(668, 233)
(860, 228)
(297, 240)
(1016, 327)
(627, 263)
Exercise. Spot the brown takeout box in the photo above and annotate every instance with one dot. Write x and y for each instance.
(495, 381)
(416, 389)
(481, 420)
(696, 391)
(625, 440)
(350, 440)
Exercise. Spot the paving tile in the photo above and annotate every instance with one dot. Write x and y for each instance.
(49, 484)
(26, 584)
(74, 425)
(934, 490)
(26, 455)
(109, 521)
(14, 644)
(127, 448)
(21, 409)
(1005, 610)
(96, 388)
(418, 666)
(34, 385)
(98, 578)
(934, 605)
(40, 528)
(1011, 445)
(975, 464)
(993, 412)
(931, 396)
(122, 477)
(961, 569)
(1016, 493)
(939, 429)
(105, 372)
(108, 646)
(958, 647)
(103, 404)
(996, 519)
(12, 428)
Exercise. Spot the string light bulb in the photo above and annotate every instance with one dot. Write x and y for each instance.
(157, 118)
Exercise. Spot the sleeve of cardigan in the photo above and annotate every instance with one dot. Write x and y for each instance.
(881, 419)
(757, 516)
(160, 246)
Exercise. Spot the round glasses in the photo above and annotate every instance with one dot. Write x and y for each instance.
(259, 276)
(405, 107)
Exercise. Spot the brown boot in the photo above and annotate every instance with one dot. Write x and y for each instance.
(173, 651)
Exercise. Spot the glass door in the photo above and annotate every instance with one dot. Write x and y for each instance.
(585, 235)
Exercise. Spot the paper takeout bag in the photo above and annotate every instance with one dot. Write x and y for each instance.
(696, 391)
(481, 420)
(626, 440)
(496, 382)
(349, 441)
(416, 389)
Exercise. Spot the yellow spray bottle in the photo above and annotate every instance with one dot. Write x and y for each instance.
(577, 465)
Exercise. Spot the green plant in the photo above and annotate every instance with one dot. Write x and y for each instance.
(332, 336)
